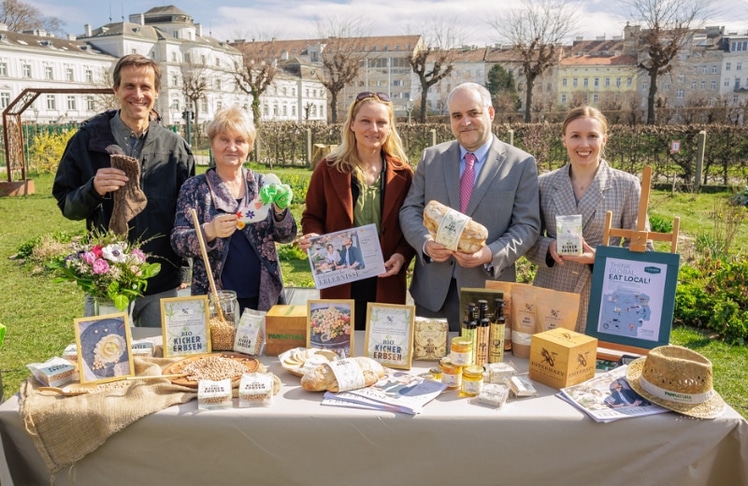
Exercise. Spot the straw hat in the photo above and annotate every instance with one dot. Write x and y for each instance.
(678, 379)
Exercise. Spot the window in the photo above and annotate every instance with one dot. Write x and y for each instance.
(293, 110)
(204, 105)
(714, 69)
(89, 76)
(703, 85)
(90, 105)
(285, 110)
(727, 82)
(187, 57)
(574, 82)
(563, 99)
(693, 84)
(597, 82)
(714, 85)
(70, 102)
(629, 82)
(666, 87)
(738, 66)
(176, 34)
(285, 91)
(4, 99)
(618, 82)
(595, 97)
(219, 104)
(69, 74)
(563, 82)
(51, 103)
(175, 80)
(728, 65)
(607, 82)
(48, 74)
(680, 94)
(703, 69)
(682, 78)
(585, 82)
(3, 68)
(737, 83)
(218, 84)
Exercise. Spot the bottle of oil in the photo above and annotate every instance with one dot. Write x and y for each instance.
(497, 333)
(482, 334)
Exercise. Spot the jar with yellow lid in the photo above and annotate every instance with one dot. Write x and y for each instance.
(451, 373)
(461, 351)
(472, 381)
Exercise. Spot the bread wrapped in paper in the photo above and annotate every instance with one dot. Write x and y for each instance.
(344, 374)
(453, 229)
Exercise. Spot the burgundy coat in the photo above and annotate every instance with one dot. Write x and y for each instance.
(329, 208)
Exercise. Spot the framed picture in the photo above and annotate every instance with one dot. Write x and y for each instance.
(632, 298)
(185, 326)
(330, 326)
(103, 344)
(389, 334)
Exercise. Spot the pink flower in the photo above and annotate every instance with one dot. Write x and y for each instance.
(138, 254)
(100, 267)
(88, 257)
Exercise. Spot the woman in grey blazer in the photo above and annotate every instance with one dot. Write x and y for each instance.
(586, 185)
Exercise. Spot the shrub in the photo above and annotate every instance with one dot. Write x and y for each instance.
(660, 224)
(47, 148)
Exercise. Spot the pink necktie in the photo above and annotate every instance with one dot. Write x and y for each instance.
(467, 181)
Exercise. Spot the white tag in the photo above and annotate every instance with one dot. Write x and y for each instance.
(451, 228)
(348, 374)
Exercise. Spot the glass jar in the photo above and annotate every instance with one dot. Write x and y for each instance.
(222, 331)
(461, 351)
(451, 373)
(472, 381)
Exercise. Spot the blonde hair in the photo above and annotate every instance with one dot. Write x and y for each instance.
(232, 119)
(585, 112)
(345, 157)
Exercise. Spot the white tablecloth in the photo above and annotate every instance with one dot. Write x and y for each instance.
(534, 441)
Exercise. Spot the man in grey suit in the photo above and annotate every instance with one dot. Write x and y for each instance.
(504, 199)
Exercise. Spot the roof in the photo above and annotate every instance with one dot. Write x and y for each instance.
(48, 43)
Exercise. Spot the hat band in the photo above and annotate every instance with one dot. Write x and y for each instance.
(692, 398)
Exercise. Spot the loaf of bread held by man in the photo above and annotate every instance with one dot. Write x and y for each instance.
(322, 377)
(473, 236)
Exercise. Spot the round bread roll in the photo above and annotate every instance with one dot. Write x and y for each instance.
(322, 377)
(473, 236)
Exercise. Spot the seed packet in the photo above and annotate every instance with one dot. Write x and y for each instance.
(569, 234)
(255, 390)
(494, 395)
(213, 395)
(556, 309)
(524, 319)
(250, 333)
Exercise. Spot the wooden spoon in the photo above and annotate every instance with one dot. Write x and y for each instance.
(208, 270)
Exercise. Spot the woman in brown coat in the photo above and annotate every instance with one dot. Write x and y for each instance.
(364, 181)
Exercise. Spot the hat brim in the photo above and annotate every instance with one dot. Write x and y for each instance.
(710, 409)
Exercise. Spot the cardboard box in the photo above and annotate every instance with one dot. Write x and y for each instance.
(561, 358)
(285, 326)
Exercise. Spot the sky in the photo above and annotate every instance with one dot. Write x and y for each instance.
(299, 19)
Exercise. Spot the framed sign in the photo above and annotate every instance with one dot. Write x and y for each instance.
(389, 334)
(185, 326)
(632, 297)
(330, 326)
(103, 344)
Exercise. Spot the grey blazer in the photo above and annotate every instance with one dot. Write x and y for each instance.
(611, 190)
(504, 200)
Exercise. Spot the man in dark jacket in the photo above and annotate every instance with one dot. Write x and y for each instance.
(85, 180)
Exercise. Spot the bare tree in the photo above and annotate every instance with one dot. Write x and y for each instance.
(536, 30)
(194, 85)
(433, 60)
(20, 16)
(258, 70)
(665, 28)
(343, 53)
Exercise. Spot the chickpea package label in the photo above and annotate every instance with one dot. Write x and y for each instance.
(255, 390)
(212, 395)
(569, 234)
(250, 332)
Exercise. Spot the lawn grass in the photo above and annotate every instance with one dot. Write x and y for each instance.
(39, 314)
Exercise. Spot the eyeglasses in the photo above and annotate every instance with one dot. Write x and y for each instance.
(368, 94)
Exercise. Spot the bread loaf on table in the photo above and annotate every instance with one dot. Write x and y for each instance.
(322, 377)
(473, 235)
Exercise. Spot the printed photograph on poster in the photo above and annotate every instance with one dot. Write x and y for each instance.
(345, 256)
(184, 326)
(103, 344)
(330, 326)
(389, 334)
(632, 297)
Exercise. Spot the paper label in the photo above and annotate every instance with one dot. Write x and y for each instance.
(451, 228)
(569, 234)
(348, 373)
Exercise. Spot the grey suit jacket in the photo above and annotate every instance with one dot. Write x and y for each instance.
(611, 190)
(504, 200)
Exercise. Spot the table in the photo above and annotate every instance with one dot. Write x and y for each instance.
(297, 441)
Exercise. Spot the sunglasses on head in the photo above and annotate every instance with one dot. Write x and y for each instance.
(368, 94)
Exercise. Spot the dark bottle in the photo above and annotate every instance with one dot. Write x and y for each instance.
(497, 333)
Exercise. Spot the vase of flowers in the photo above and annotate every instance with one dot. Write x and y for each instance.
(107, 268)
